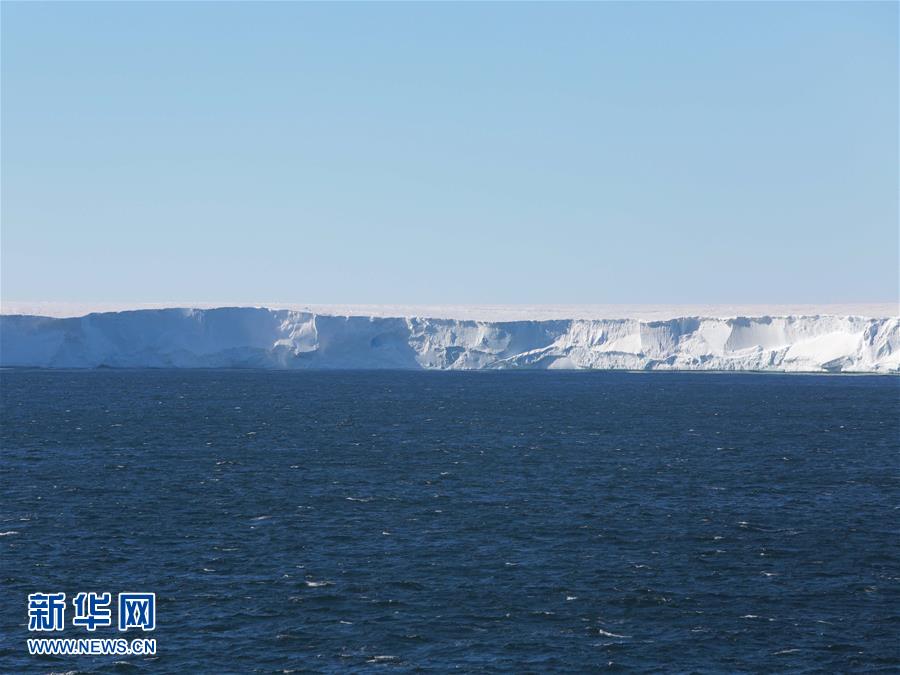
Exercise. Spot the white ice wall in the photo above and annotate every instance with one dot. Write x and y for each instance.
(258, 337)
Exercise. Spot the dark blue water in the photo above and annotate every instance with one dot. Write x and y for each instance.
(518, 522)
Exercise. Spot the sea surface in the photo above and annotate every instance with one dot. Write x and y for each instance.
(479, 522)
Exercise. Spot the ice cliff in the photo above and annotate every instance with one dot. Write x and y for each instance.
(266, 338)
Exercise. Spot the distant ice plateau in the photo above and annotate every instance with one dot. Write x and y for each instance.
(598, 337)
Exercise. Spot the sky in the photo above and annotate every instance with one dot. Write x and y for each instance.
(421, 153)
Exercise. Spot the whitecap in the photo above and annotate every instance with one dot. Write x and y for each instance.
(9, 533)
(608, 634)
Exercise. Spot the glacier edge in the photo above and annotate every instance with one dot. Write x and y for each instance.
(245, 337)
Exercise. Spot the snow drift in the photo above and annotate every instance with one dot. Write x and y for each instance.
(267, 338)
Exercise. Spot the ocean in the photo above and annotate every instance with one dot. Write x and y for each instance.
(471, 521)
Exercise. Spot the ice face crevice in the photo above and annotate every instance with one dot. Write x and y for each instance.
(290, 339)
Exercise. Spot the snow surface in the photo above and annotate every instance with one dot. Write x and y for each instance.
(290, 338)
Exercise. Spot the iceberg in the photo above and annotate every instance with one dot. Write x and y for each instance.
(258, 337)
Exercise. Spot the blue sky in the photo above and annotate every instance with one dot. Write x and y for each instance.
(450, 153)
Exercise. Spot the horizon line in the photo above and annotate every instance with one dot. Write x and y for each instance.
(477, 312)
